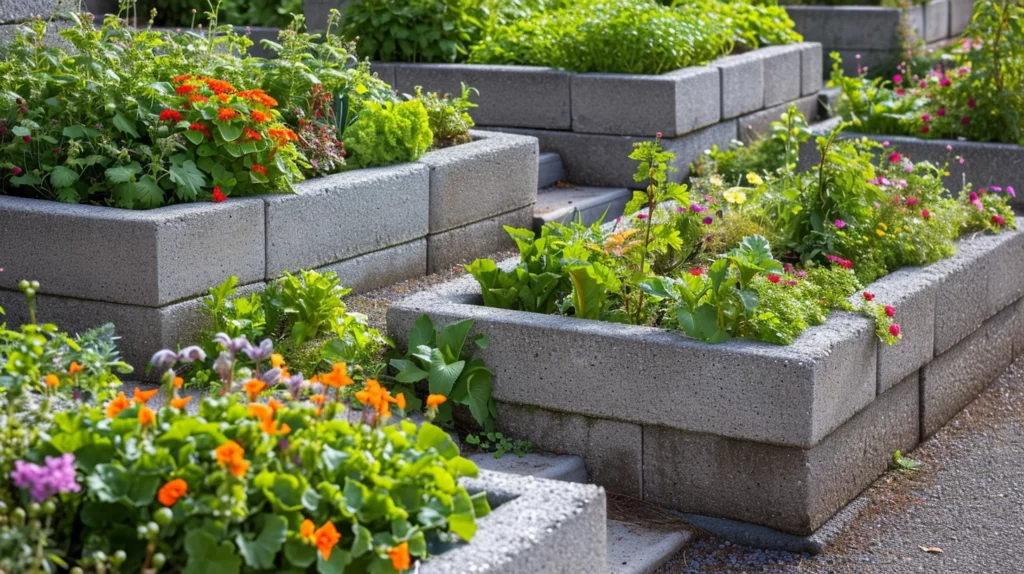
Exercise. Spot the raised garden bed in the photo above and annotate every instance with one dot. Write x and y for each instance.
(147, 271)
(778, 436)
(593, 120)
(871, 36)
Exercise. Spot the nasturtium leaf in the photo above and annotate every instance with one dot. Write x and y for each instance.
(363, 541)
(431, 436)
(422, 332)
(189, 179)
(208, 556)
(311, 500)
(113, 483)
(336, 565)
(355, 494)
(125, 125)
(259, 553)
(229, 132)
(299, 553)
(481, 507)
(194, 136)
(333, 459)
(21, 131)
(63, 177)
(442, 375)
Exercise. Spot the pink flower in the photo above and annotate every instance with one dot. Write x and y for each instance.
(894, 330)
(910, 168)
(707, 221)
(658, 135)
(641, 216)
(925, 117)
(944, 82)
(941, 112)
(801, 273)
(925, 213)
(922, 84)
(897, 79)
(895, 157)
(924, 129)
(840, 223)
(774, 278)
(995, 188)
(970, 103)
(27, 139)
(961, 161)
(900, 92)
(974, 196)
(998, 220)
(965, 120)
(949, 147)
(890, 311)
(913, 201)
(885, 144)
(792, 282)
(16, 170)
(869, 296)
(1009, 189)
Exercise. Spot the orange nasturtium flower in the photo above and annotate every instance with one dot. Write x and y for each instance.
(172, 491)
(146, 415)
(117, 405)
(400, 400)
(52, 380)
(325, 538)
(253, 135)
(376, 396)
(178, 382)
(180, 403)
(274, 404)
(434, 401)
(225, 114)
(142, 397)
(261, 117)
(231, 456)
(400, 556)
(254, 387)
(267, 423)
(75, 368)
(338, 377)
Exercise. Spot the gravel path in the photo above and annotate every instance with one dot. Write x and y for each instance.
(967, 501)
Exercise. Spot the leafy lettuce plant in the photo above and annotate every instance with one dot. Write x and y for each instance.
(388, 133)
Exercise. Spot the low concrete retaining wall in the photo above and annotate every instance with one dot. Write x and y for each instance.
(537, 525)
(984, 165)
(147, 271)
(873, 33)
(782, 436)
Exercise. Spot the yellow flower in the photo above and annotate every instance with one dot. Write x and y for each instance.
(883, 226)
(880, 232)
(716, 180)
(52, 380)
(754, 179)
(735, 195)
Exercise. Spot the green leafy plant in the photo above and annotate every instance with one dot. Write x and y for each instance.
(499, 444)
(442, 360)
(413, 30)
(387, 133)
(779, 149)
(448, 116)
(905, 464)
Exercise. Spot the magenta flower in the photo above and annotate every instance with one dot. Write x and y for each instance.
(995, 188)
(965, 120)
(55, 477)
(925, 117)
(895, 157)
(707, 221)
(890, 311)
(641, 216)
(16, 170)
(900, 92)
(840, 223)
(925, 213)
(27, 139)
(913, 201)
(1009, 189)
(801, 273)
(944, 82)
(697, 208)
(998, 220)
(894, 330)
(971, 103)
(897, 79)
(924, 129)
(941, 112)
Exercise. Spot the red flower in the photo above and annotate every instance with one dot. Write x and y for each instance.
(774, 278)
(913, 201)
(895, 157)
(966, 120)
(170, 116)
(925, 213)
(219, 86)
(217, 195)
(198, 127)
(225, 114)
(696, 271)
(185, 89)
(925, 129)
(869, 296)
(894, 330)
(257, 168)
(252, 134)
(890, 311)
(998, 220)
(180, 79)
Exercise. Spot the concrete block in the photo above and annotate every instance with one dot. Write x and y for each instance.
(742, 79)
(357, 212)
(612, 450)
(912, 292)
(514, 96)
(101, 7)
(479, 239)
(494, 174)
(143, 258)
(793, 395)
(880, 61)
(848, 27)
(1018, 328)
(916, 20)
(954, 378)
(642, 548)
(811, 63)
(759, 124)
(782, 74)
(549, 170)
(675, 103)
(257, 34)
(537, 526)
(936, 20)
(791, 489)
(15, 11)
(382, 268)
(960, 13)
(143, 330)
(566, 467)
(385, 71)
(317, 11)
(584, 204)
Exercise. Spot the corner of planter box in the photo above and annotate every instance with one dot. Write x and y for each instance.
(344, 215)
(145, 258)
(782, 73)
(811, 65)
(537, 525)
(493, 174)
(936, 20)
(742, 83)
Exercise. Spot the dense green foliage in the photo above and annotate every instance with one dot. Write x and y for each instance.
(448, 115)
(761, 258)
(974, 90)
(780, 147)
(629, 36)
(186, 13)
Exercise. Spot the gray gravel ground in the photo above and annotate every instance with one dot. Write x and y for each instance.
(968, 501)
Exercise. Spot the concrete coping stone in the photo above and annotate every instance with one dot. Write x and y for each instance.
(792, 395)
(536, 525)
(854, 27)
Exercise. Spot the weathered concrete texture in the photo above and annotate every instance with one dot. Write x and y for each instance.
(675, 103)
(603, 160)
(758, 124)
(356, 212)
(584, 204)
(515, 96)
(537, 527)
(848, 27)
(145, 258)
(955, 378)
(565, 467)
(494, 174)
(811, 61)
(912, 292)
(468, 242)
(642, 548)
(382, 268)
(257, 34)
(12, 11)
(612, 449)
(791, 489)
(317, 11)
(1018, 328)
(742, 83)
(960, 12)
(549, 170)
(143, 330)
(782, 74)
(936, 20)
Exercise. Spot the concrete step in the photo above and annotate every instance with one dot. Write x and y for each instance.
(638, 548)
(551, 170)
(562, 204)
(564, 467)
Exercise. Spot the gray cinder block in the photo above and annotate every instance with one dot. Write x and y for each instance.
(742, 83)
(478, 239)
(758, 124)
(494, 174)
(960, 13)
(536, 525)
(782, 74)
(145, 258)
(382, 268)
(848, 27)
(356, 212)
(811, 65)
(936, 20)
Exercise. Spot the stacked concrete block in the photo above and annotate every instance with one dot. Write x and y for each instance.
(781, 436)
(937, 20)
(960, 12)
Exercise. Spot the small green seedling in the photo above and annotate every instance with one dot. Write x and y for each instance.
(495, 441)
(905, 464)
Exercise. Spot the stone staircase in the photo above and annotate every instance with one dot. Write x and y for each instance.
(563, 202)
(635, 545)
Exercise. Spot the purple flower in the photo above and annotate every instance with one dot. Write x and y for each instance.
(272, 376)
(1009, 189)
(295, 385)
(232, 346)
(224, 365)
(707, 221)
(840, 223)
(166, 358)
(16, 170)
(697, 208)
(57, 476)
(801, 273)
(263, 351)
(995, 188)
